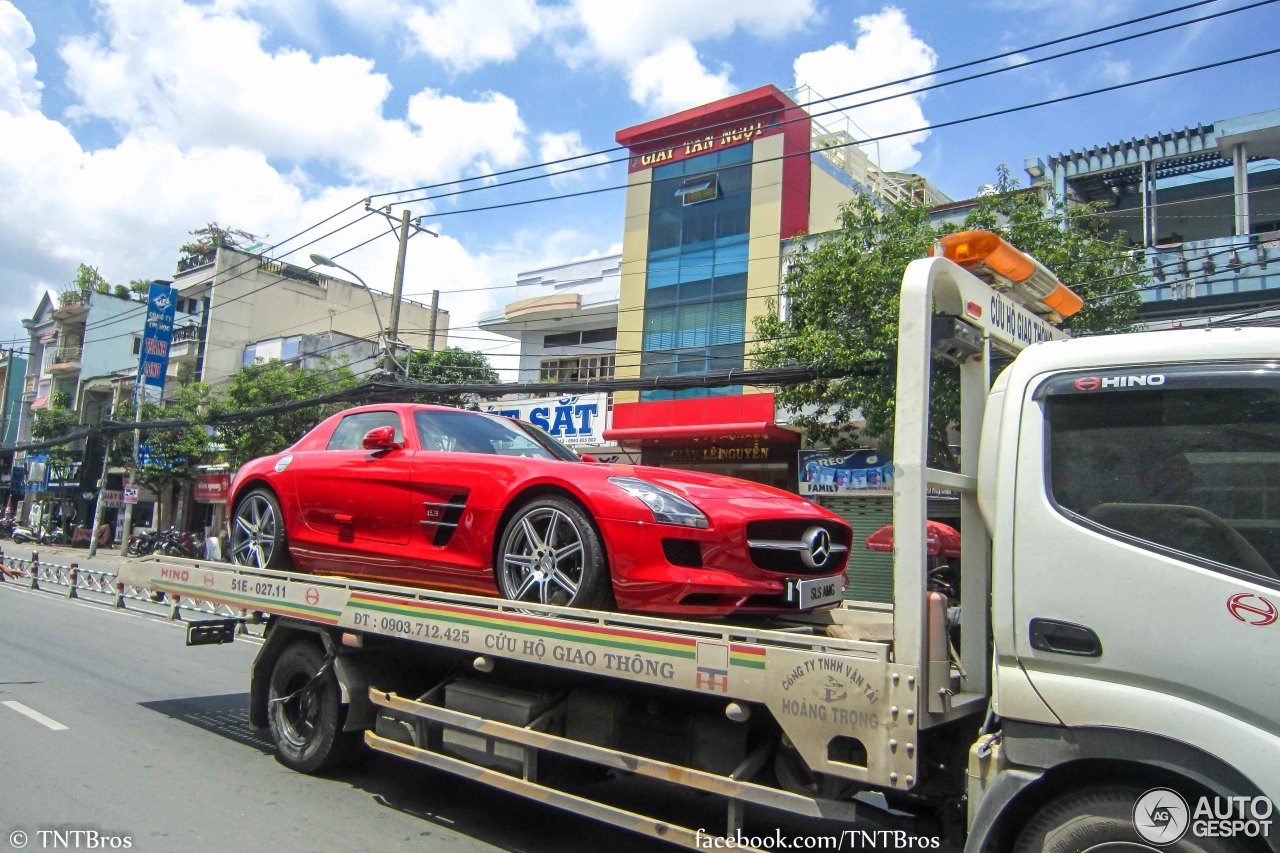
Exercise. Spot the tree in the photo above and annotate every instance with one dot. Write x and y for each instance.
(842, 298)
(213, 236)
(452, 365)
(169, 455)
(261, 385)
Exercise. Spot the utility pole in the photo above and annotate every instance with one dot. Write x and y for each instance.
(4, 401)
(435, 305)
(133, 470)
(393, 325)
(97, 504)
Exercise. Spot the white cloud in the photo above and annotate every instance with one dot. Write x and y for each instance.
(465, 35)
(19, 89)
(203, 78)
(886, 49)
(1115, 70)
(623, 32)
(674, 79)
(553, 147)
(663, 70)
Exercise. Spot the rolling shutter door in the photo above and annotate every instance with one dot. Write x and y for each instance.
(870, 573)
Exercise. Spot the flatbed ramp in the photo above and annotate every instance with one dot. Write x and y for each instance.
(840, 704)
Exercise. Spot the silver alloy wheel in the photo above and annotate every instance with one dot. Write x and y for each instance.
(254, 533)
(544, 558)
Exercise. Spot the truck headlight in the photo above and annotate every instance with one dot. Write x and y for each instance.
(667, 507)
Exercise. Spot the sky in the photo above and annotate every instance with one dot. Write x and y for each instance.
(126, 124)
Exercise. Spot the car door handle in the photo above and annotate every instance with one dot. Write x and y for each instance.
(1064, 638)
(343, 518)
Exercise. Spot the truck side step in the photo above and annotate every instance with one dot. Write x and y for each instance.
(212, 632)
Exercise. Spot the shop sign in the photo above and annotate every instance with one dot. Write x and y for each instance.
(112, 498)
(712, 453)
(130, 495)
(212, 488)
(578, 421)
(857, 472)
(706, 141)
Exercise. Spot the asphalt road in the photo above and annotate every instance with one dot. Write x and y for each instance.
(109, 724)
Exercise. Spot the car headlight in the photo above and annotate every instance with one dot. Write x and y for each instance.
(667, 507)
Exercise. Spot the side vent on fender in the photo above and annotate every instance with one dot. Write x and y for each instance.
(442, 519)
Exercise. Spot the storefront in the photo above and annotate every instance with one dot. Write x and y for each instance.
(578, 421)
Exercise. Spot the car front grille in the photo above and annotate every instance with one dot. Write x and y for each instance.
(782, 545)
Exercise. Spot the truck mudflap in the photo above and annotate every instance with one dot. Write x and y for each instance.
(848, 711)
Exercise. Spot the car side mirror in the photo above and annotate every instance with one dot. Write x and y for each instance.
(587, 457)
(381, 438)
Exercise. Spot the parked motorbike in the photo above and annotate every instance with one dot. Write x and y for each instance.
(53, 535)
(177, 543)
(142, 544)
(23, 534)
(7, 524)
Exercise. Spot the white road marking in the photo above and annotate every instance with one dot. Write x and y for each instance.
(47, 722)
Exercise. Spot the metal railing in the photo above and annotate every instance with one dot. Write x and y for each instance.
(98, 586)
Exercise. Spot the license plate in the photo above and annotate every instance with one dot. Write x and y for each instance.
(816, 592)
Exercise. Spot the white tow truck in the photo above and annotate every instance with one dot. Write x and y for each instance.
(1104, 673)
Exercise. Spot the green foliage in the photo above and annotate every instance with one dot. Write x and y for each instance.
(140, 285)
(89, 279)
(53, 421)
(452, 365)
(120, 291)
(842, 298)
(174, 452)
(213, 236)
(268, 384)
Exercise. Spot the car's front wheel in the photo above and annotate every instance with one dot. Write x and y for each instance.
(257, 532)
(551, 553)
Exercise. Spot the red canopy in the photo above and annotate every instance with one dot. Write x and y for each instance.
(940, 539)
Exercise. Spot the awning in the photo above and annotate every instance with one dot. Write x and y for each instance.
(701, 433)
(40, 402)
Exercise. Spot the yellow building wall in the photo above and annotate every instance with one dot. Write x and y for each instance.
(635, 255)
(764, 232)
(826, 194)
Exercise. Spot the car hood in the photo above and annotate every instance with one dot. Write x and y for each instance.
(703, 488)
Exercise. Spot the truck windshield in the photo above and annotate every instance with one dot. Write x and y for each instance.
(1190, 466)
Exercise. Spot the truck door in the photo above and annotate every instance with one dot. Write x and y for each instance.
(1147, 548)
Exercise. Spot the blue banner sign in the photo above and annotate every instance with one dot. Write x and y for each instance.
(162, 301)
(856, 472)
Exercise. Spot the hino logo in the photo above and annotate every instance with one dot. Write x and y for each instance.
(817, 547)
(1139, 380)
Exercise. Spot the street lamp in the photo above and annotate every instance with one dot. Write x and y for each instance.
(322, 261)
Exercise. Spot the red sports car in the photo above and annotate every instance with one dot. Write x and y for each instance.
(457, 500)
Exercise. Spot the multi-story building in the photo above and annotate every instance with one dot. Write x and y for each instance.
(13, 370)
(1202, 204)
(713, 195)
(566, 320)
(243, 298)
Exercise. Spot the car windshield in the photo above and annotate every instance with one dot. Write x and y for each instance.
(472, 432)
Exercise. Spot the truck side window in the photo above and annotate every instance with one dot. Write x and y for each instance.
(350, 433)
(1186, 463)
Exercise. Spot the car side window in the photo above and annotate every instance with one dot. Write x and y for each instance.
(351, 430)
(1183, 463)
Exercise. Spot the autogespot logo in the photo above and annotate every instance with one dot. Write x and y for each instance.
(1161, 816)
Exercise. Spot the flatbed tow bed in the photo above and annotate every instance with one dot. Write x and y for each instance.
(819, 688)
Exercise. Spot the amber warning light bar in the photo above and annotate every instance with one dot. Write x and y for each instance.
(1016, 273)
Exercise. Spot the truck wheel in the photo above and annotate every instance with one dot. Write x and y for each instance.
(307, 726)
(257, 532)
(551, 554)
(1103, 819)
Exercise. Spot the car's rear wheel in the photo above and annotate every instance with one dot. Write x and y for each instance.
(257, 532)
(551, 553)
